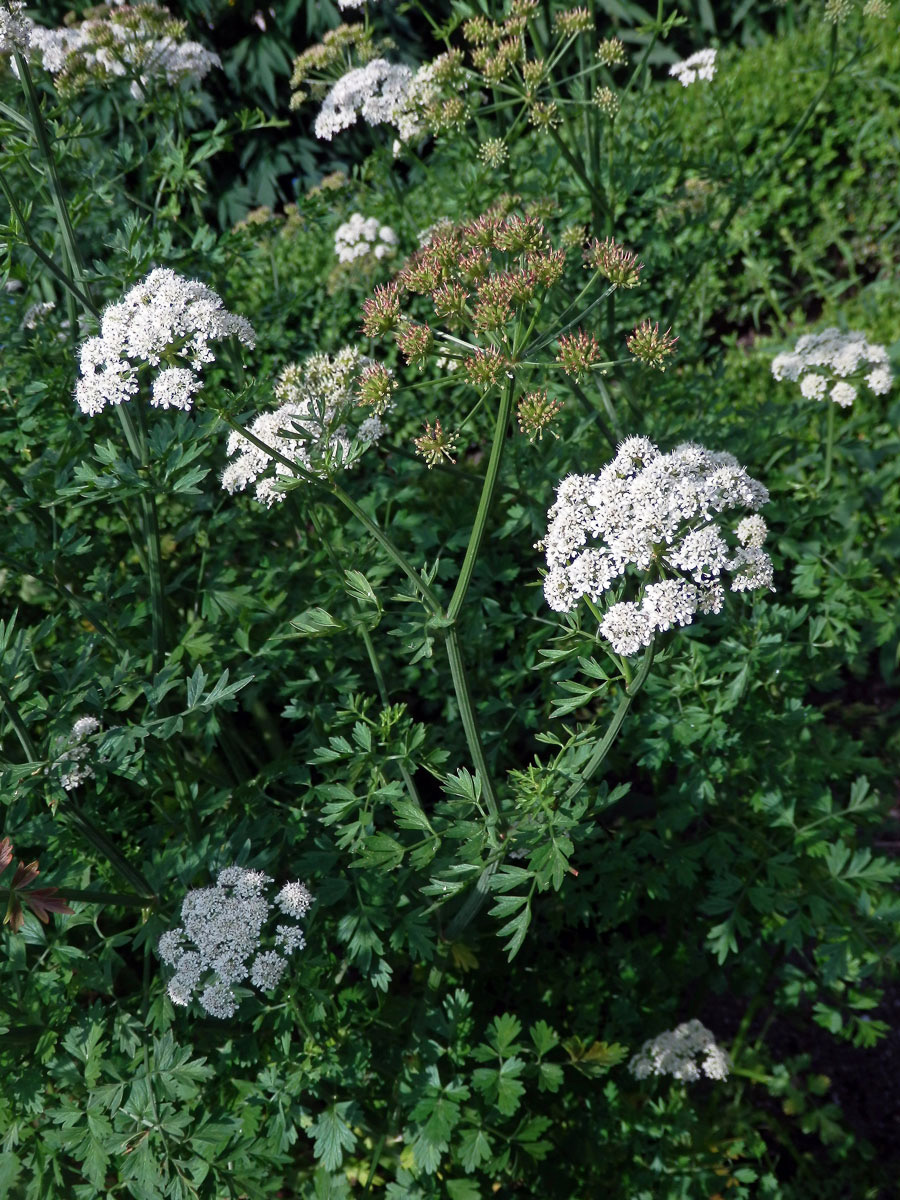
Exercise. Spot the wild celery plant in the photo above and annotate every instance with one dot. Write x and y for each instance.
(718, 886)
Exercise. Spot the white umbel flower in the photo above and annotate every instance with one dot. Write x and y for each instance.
(375, 92)
(701, 65)
(220, 941)
(308, 428)
(165, 321)
(686, 1053)
(15, 29)
(659, 517)
(825, 362)
(71, 754)
(361, 237)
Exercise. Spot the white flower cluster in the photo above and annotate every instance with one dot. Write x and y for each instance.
(134, 42)
(823, 361)
(35, 313)
(15, 30)
(167, 322)
(70, 754)
(382, 93)
(676, 1051)
(362, 236)
(307, 428)
(219, 942)
(343, 4)
(701, 65)
(657, 513)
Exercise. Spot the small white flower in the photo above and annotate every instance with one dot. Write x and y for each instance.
(360, 237)
(626, 628)
(294, 900)
(843, 393)
(267, 970)
(675, 1053)
(812, 387)
(752, 531)
(880, 381)
(701, 65)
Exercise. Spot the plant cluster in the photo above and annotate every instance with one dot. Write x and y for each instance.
(581, 805)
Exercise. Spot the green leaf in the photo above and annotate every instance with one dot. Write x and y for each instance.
(315, 622)
(474, 1149)
(380, 851)
(332, 1136)
(501, 1085)
(543, 1036)
(462, 1189)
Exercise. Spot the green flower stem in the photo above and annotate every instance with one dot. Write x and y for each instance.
(15, 719)
(451, 640)
(100, 842)
(638, 71)
(552, 337)
(59, 204)
(829, 442)
(488, 489)
(40, 254)
(93, 896)
(598, 200)
(467, 715)
(605, 745)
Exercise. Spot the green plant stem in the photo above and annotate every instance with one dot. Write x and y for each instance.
(829, 442)
(93, 896)
(605, 745)
(15, 719)
(488, 489)
(56, 193)
(100, 841)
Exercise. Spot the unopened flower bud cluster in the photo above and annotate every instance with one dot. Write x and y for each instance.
(143, 43)
(363, 237)
(167, 323)
(655, 520)
(825, 362)
(685, 1053)
(308, 428)
(224, 939)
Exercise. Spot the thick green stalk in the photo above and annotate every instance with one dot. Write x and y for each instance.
(605, 745)
(484, 504)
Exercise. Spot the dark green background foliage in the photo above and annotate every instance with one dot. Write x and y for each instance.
(734, 860)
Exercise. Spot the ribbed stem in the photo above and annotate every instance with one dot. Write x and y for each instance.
(603, 748)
